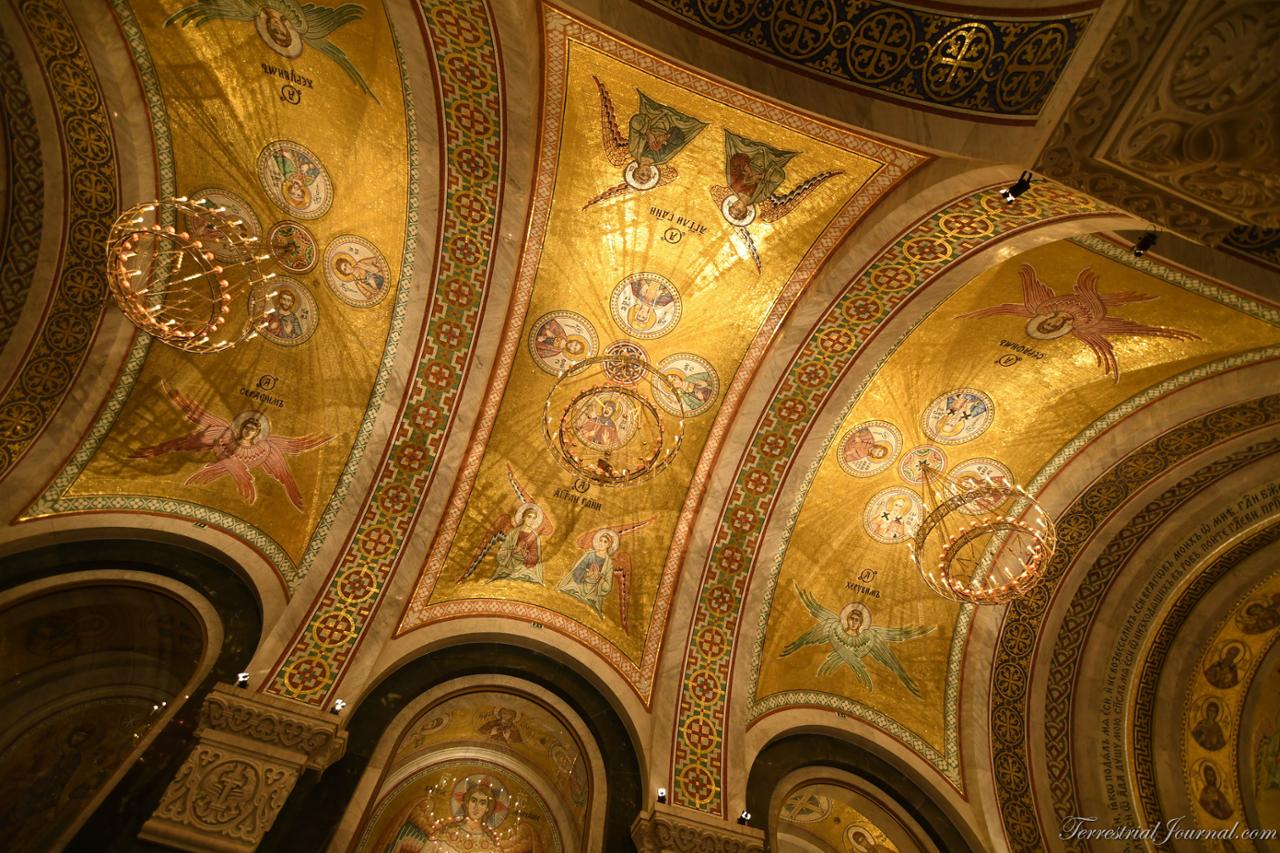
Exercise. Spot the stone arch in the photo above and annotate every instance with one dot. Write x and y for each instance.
(169, 580)
(311, 815)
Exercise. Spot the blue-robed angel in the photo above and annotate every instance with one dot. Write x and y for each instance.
(852, 637)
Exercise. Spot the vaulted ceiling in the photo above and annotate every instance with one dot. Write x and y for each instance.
(593, 314)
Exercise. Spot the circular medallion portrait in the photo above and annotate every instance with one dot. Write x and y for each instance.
(869, 448)
(233, 207)
(975, 473)
(916, 461)
(645, 305)
(805, 807)
(604, 420)
(482, 798)
(695, 382)
(628, 364)
(295, 179)
(958, 416)
(356, 271)
(892, 515)
(278, 32)
(561, 339)
(292, 246)
(291, 311)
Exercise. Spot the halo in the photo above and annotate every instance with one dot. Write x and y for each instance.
(744, 221)
(629, 175)
(597, 541)
(537, 513)
(263, 423)
(290, 51)
(1035, 323)
(860, 607)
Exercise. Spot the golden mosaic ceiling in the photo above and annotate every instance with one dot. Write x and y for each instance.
(644, 373)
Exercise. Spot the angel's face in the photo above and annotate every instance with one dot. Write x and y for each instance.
(528, 518)
(278, 28)
(853, 622)
(249, 431)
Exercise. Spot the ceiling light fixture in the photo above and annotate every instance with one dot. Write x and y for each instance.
(1145, 243)
(1010, 194)
(981, 541)
(185, 273)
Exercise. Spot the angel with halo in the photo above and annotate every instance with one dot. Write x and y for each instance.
(285, 26)
(852, 637)
(754, 171)
(1081, 313)
(591, 579)
(518, 536)
(239, 446)
(655, 134)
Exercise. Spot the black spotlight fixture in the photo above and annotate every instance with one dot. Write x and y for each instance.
(1010, 194)
(744, 817)
(242, 680)
(1144, 244)
(338, 705)
(662, 795)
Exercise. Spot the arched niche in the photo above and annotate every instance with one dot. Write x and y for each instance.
(831, 811)
(501, 746)
(108, 649)
(887, 797)
(313, 817)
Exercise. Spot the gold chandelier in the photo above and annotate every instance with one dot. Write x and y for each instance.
(185, 272)
(614, 419)
(982, 540)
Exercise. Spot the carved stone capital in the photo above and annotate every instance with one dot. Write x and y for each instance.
(664, 830)
(249, 753)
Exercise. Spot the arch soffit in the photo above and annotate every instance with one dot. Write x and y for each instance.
(375, 777)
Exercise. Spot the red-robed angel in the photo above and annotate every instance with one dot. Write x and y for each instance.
(519, 535)
(1082, 313)
(239, 446)
(591, 579)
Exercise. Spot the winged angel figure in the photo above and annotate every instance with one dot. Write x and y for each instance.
(239, 446)
(655, 134)
(1082, 313)
(591, 580)
(518, 535)
(754, 172)
(852, 637)
(286, 26)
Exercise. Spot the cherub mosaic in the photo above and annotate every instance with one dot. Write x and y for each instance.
(852, 637)
(754, 171)
(603, 562)
(239, 446)
(656, 133)
(285, 26)
(516, 539)
(1082, 313)
(295, 179)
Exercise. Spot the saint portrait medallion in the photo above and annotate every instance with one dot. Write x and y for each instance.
(892, 515)
(560, 339)
(235, 209)
(695, 382)
(976, 473)
(604, 420)
(356, 271)
(295, 179)
(645, 305)
(291, 311)
(958, 416)
(869, 448)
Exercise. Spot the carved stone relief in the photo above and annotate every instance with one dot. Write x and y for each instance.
(666, 831)
(249, 753)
